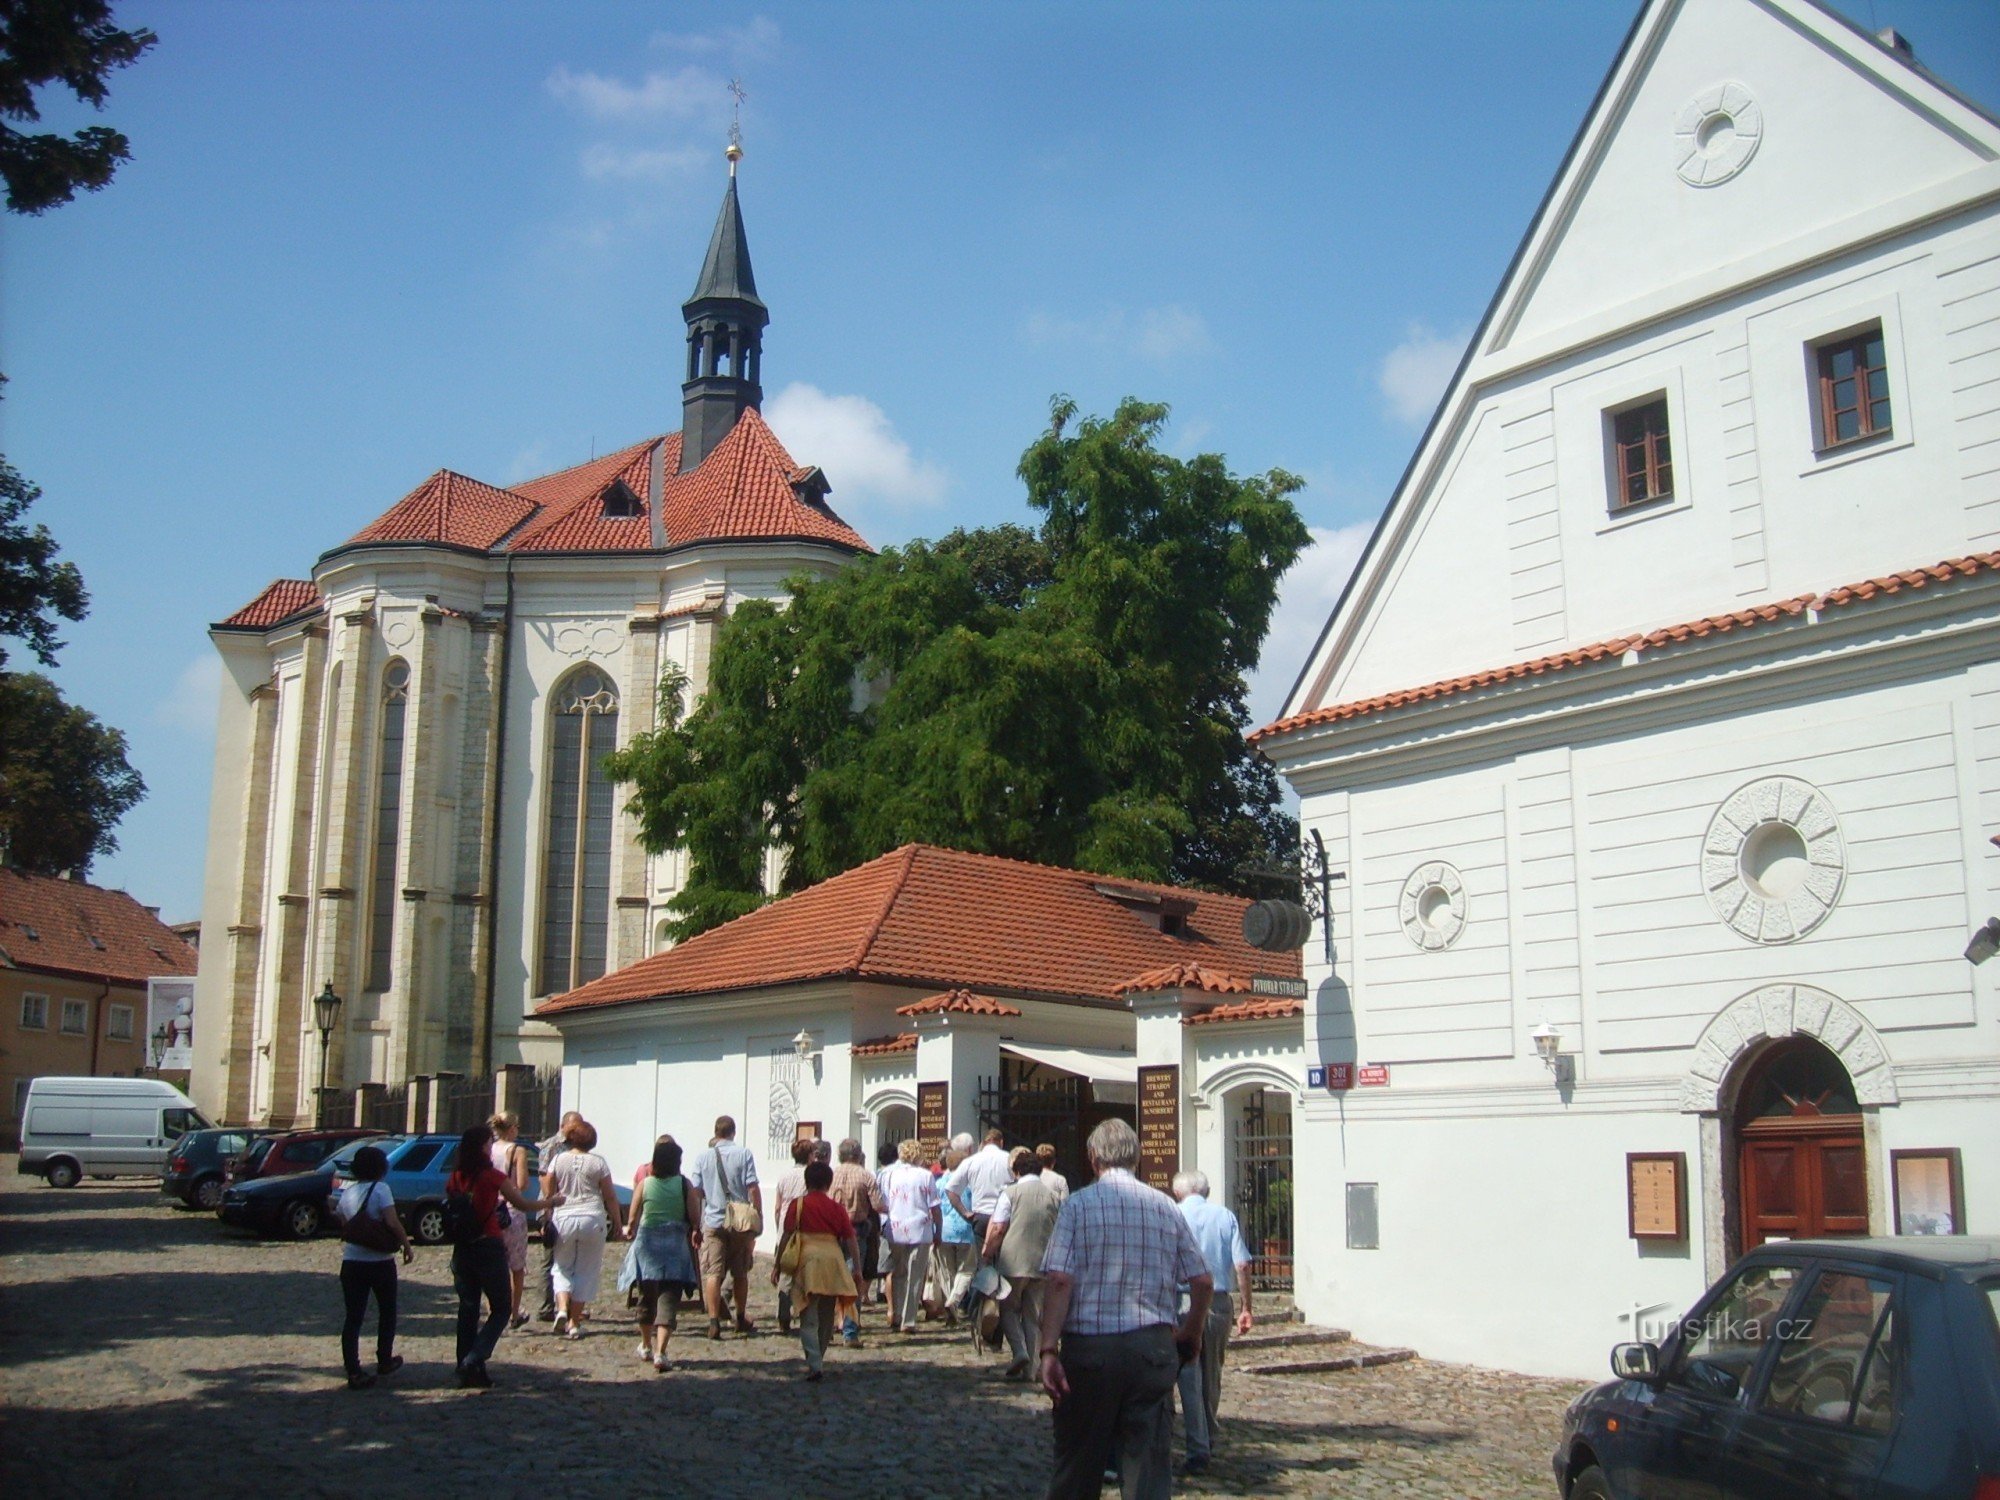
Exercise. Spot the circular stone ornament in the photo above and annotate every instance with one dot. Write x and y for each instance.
(1433, 906)
(1773, 862)
(1716, 134)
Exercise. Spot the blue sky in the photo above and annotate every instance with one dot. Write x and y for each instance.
(358, 243)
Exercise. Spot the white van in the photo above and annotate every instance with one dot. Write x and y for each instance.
(108, 1127)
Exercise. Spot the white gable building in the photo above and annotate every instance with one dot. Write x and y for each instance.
(1657, 736)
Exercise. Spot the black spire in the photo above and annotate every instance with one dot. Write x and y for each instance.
(725, 320)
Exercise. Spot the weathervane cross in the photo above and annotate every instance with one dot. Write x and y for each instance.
(736, 113)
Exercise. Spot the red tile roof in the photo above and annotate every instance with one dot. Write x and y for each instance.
(1247, 1010)
(884, 1046)
(1185, 976)
(69, 927)
(571, 503)
(450, 509)
(947, 920)
(280, 601)
(959, 1003)
(1653, 640)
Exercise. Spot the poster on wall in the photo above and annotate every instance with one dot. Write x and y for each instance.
(170, 1015)
(1929, 1190)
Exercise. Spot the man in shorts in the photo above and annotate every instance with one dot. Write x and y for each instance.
(726, 1173)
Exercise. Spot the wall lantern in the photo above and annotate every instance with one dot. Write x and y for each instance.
(1985, 942)
(1548, 1047)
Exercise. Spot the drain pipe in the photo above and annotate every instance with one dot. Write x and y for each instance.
(493, 847)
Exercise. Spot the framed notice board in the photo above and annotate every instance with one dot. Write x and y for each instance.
(806, 1130)
(1656, 1195)
(1159, 1125)
(934, 1113)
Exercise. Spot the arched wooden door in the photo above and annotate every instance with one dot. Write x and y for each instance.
(1802, 1166)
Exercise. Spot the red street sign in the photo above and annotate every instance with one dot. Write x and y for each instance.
(1374, 1076)
(1340, 1075)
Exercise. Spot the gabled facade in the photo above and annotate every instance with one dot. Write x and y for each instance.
(408, 799)
(1659, 727)
(74, 964)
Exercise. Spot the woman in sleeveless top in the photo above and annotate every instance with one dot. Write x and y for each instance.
(479, 1265)
(664, 1207)
(366, 1272)
(589, 1214)
(510, 1157)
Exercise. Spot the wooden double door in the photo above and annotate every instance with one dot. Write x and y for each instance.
(1802, 1179)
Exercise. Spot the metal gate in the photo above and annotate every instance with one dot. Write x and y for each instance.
(1261, 1189)
(385, 1108)
(538, 1105)
(1045, 1110)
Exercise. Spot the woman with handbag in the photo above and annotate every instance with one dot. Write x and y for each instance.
(665, 1206)
(511, 1157)
(819, 1252)
(479, 1202)
(370, 1237)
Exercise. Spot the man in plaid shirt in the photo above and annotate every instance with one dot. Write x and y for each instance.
(1112, 1277)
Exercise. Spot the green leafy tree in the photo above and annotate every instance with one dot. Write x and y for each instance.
(35, 589)
(71, 42)
(1073, 695)
(64, 780)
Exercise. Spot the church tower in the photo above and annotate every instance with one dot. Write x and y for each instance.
(725, 320)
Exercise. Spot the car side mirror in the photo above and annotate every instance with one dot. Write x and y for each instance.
(1636, 1362)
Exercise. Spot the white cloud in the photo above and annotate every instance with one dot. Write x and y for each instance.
(1305, 602)
(850, 437)
(1414, 373)
(752, 43)
(190, 704)
(605, 161)
(687, 93)
(1155, 333)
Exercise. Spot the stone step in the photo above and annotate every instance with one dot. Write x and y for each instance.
(1358, 1359)
(1286, 1338)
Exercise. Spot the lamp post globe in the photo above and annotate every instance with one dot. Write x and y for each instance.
(326, 1014)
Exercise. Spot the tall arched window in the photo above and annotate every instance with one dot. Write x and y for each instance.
(576, 872)
(388, 820)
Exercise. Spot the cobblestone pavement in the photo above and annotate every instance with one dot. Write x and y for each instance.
(146, 1350)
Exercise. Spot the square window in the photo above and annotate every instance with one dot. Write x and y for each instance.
(1642, 466)
(1853, 388)
(74, 1017)
(119, 1028)
(34, 1012)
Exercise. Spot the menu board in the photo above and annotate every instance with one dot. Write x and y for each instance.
(934, 1114)
(1159, 1125)
(1656, 1194)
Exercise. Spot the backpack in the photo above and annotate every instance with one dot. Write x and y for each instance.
(462, 1223)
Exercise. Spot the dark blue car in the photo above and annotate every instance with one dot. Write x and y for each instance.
(1865, 1369)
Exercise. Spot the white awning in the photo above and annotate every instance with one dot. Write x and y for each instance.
(1098, 1064)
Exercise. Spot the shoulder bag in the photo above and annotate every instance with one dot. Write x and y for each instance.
(368, 1231)
(738, 1216)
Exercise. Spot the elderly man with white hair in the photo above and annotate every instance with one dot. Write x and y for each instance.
(1112, 1277)
(1221, 1240)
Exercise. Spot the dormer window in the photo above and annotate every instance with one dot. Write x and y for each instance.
(810, 486)
(621, 502)
(1168, 914)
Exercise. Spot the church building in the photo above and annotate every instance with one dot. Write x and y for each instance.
(409, 804)
(1656, 739)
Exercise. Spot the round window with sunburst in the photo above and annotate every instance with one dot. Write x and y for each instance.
(1773, 862)
(1433, 906)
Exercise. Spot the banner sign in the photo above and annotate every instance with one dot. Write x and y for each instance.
(934, 1114)
(1159, 1125)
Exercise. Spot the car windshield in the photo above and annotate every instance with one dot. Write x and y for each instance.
(344, 1158)
(254, 1157)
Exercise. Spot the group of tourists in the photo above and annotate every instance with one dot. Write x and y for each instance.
(1114, 1297)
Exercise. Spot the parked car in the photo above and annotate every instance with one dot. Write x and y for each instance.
(293, 1205)
(1863, 1369)
(417, 1171)
(283, 1152)
(195, 1165)
(108, 1127)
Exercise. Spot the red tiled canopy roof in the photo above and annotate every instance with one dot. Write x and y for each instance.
(283, 600)
(885, 1046)
(1186, 976)
(1247, 1010)
(947, 920)
(68, 927)
(743, 491)
(959, 1003)
(1668, 635)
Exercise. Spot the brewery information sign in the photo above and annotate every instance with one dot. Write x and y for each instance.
(1159, 1125)
(934, 1114)
(1656, 1195)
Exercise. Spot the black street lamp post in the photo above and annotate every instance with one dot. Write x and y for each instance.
(326, 1011)
(159, 1045)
